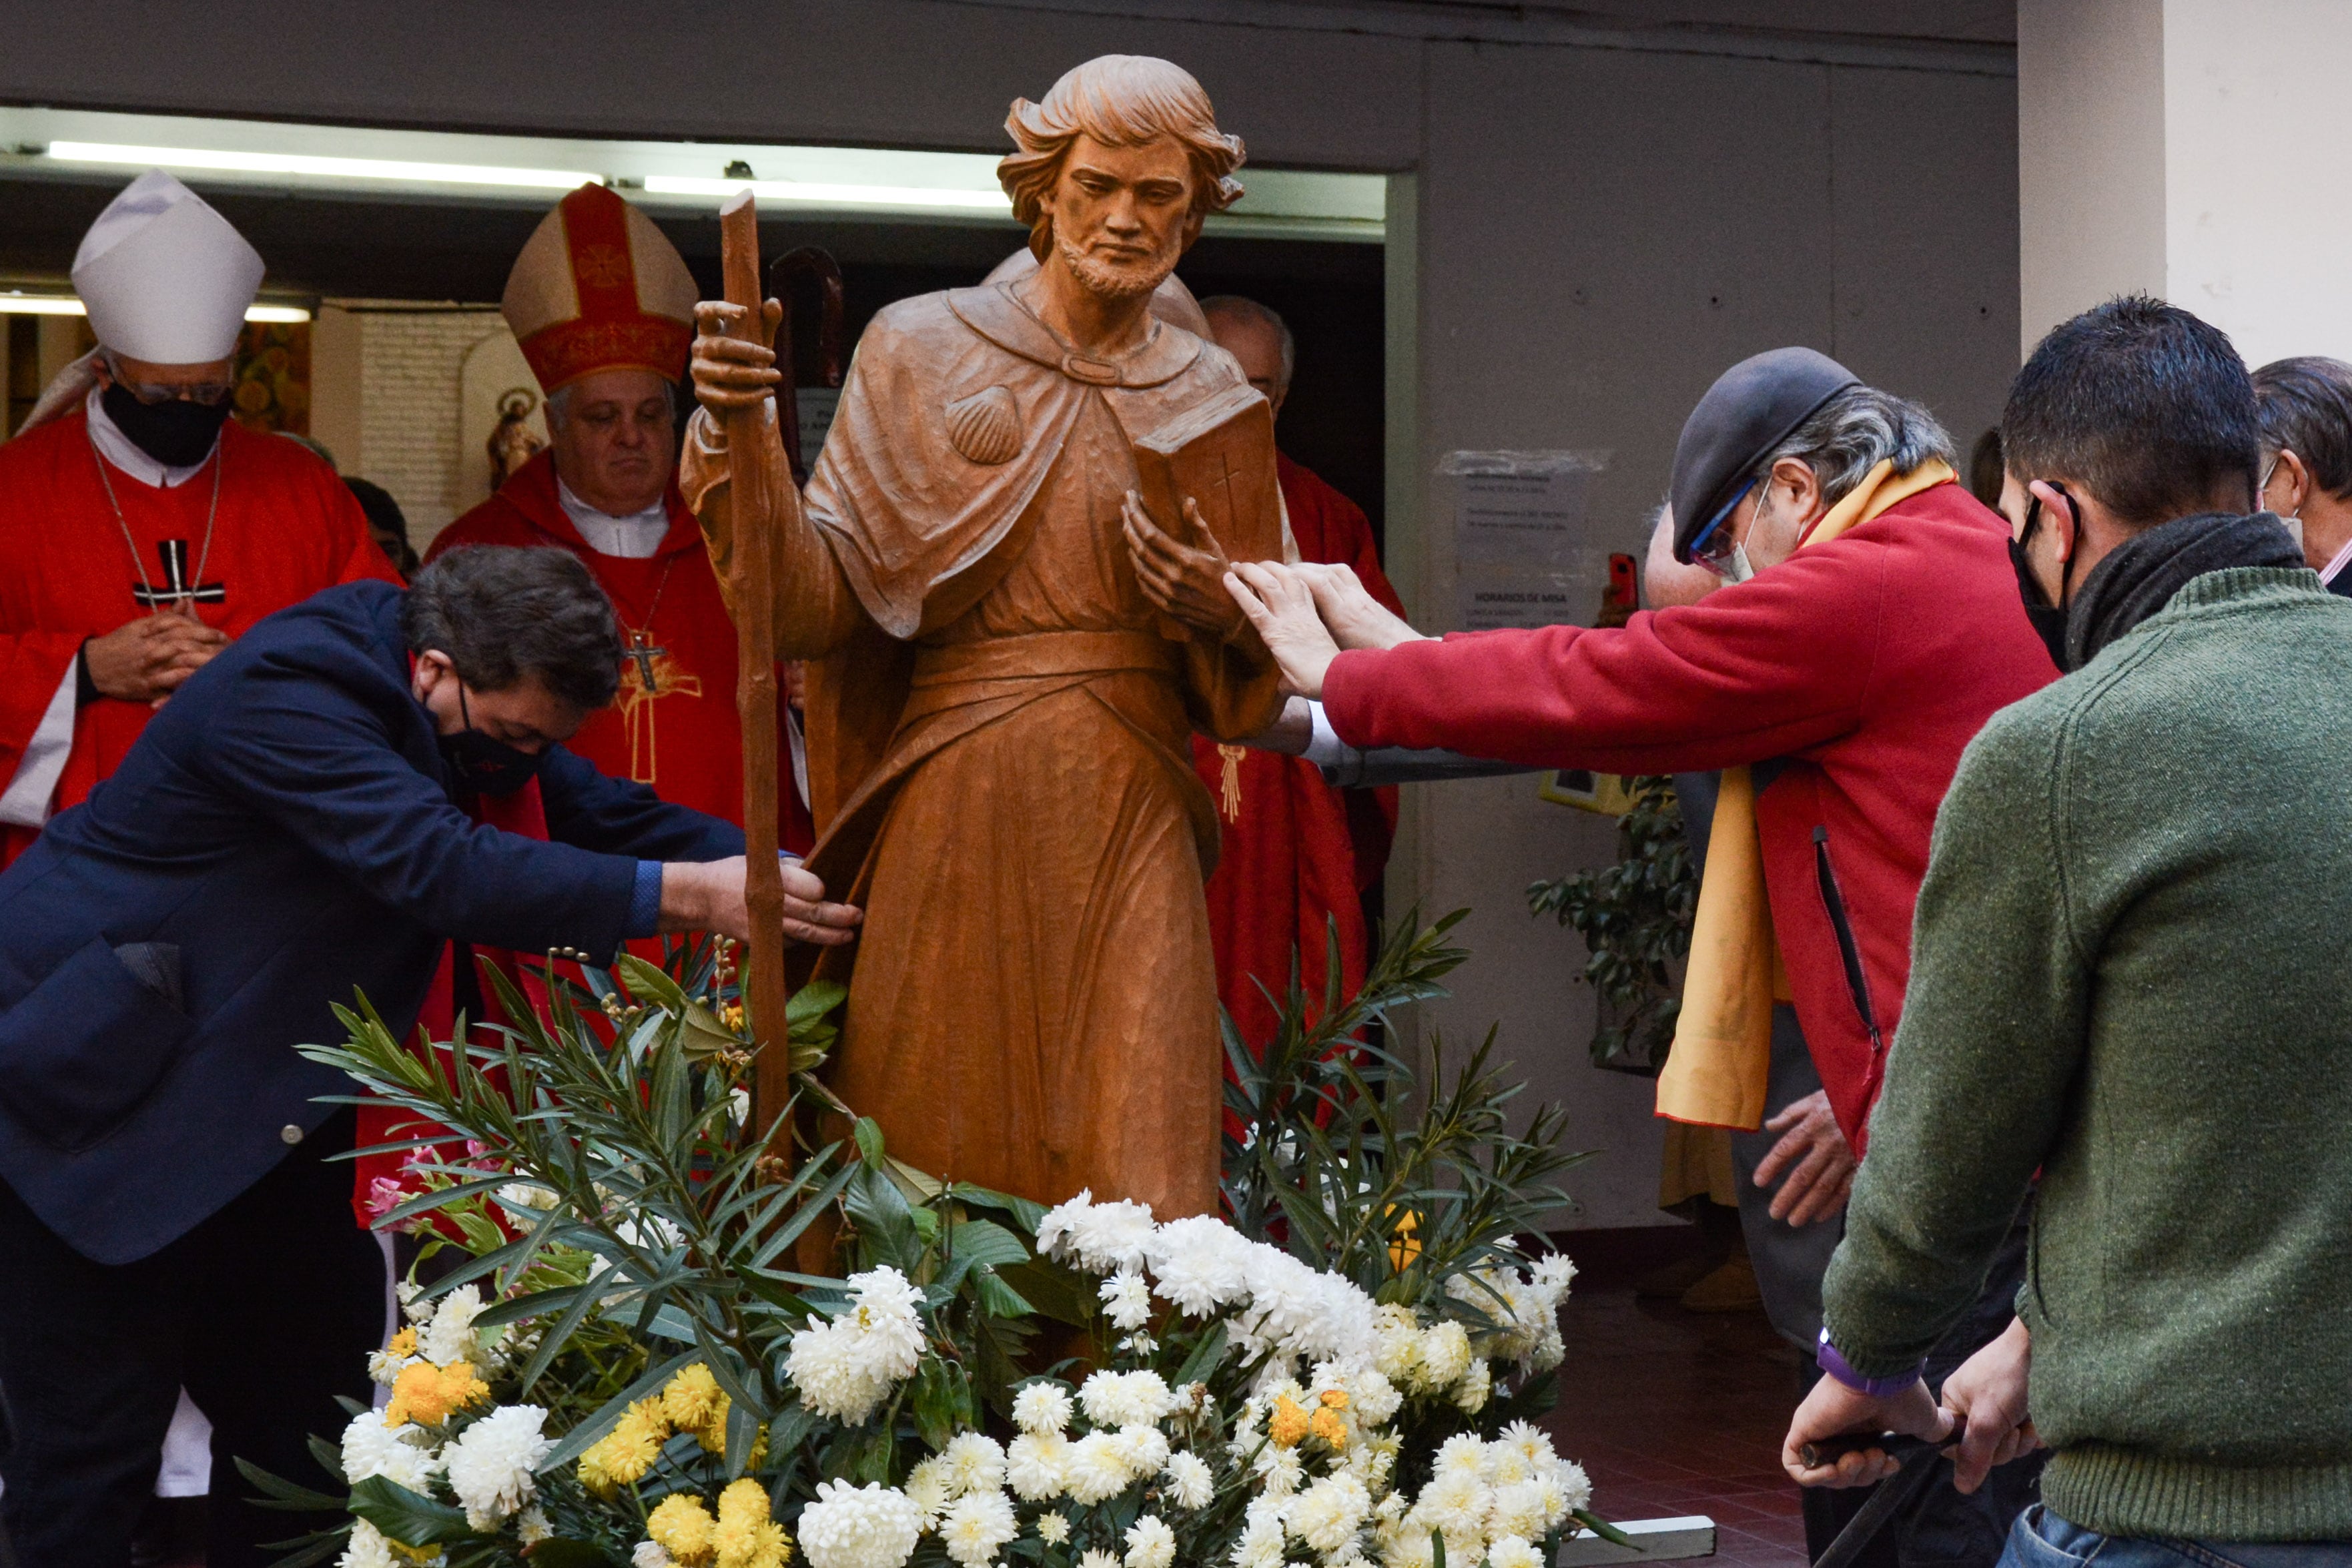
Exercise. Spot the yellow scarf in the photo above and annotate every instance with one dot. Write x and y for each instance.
(1722, 1055)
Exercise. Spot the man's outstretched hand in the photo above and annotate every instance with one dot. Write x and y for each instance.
(1354, 618)
(707, 895)
(1280, 603)
(1833, 1410)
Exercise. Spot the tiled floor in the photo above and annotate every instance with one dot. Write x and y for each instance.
(1674, 1412)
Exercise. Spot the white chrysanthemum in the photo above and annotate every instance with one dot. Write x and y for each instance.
(492, 1462)
(532, 1526)
(1142, 1450)
(974, 1462)
(1396, 1344)
(372, 1448)
(1040, 1407)
(1550, 1274)
(1261, 1543)
(1200, 1264)
(1127, 1300)
(1478, 1384)
(845, 1366)
(1151, 1544)
(451, 1336)
(976, 1526)
(527, 1196)
(1279, 1471)
(1529, 1439)
(1038, 1466)
(1461, 1455)
(384, 1366)
(1507, 1464)
(1410, 1547)
(367, 1547)
(1517, 1508)
(1445, 1356)
(650, 1555)
(1454, 1502)
(926, 1488)
(872, 1526)
(1191, 1483)
(1327, 1515)
(413, 1304)
(1573, 1483)
(1095, 1557)
(1099, 1236)
(1125, 1398)
(1096, 1468)
(1512, 1552)
(1053, 1527)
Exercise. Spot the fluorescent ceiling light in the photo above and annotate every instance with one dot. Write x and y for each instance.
(397, 170)
(831, 194)
(66, 305)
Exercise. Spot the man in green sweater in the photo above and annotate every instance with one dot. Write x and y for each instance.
(2125, 976)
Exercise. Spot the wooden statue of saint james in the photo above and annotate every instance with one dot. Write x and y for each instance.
(1008, 657)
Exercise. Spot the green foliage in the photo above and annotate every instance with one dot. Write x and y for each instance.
(1635, 920)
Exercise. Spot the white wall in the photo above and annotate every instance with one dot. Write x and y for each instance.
(1590, 232)
(2191, 148)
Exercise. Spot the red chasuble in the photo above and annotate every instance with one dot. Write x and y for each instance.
(1297, 853)
(286, 529)
(673, 726)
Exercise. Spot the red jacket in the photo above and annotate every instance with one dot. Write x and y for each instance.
(1855, 672)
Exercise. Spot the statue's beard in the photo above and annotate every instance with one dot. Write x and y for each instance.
(1110, 279)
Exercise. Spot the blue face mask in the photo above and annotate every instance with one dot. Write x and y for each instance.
(483, 763)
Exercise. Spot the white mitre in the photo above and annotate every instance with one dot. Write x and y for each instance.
(165, 277)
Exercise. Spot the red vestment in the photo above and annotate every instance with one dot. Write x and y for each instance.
(286, 529)
(1297, 853)
(682, 737)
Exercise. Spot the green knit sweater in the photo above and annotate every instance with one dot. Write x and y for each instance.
(2130, 971)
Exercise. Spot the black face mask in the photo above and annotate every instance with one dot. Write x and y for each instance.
(2049, 620)
(178, 434)
(486, 765)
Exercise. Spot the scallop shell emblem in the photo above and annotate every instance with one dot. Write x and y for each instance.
(985, 426)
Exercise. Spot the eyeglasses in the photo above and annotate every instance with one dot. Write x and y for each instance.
(1713, 547)
(211, 393)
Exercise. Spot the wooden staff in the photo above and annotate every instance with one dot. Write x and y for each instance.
(753, 475)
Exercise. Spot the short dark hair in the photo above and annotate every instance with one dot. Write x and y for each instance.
(2146, 407)
(1985, 469)
(505, 612)
(2305, 405)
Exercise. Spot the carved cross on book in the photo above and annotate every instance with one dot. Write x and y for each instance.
(641, 648)
(1219, 454)
(177, 591)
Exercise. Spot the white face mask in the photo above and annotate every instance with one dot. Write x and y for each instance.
(1735, 567)
(2295, 527)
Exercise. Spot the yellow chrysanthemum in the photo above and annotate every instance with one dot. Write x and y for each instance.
(414, 1553)
(404, 1343)
(746, 1538)
(1328, 1425)
(623, 1455)
(1333, 1398)
(692, 1398)
(427, 1393)
(682, 1527)
(1288, 1424)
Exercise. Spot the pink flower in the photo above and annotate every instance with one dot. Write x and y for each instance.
(385, 1194)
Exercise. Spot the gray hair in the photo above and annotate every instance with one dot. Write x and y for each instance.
(1249, 309)
(1851, 434)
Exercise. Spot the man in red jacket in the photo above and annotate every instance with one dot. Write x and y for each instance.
(1870, 624)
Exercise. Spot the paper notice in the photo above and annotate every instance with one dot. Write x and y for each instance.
(1521, 554)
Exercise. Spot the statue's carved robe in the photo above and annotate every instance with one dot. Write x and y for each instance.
(998, 755)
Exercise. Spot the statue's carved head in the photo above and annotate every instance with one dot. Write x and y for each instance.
(1117, 169)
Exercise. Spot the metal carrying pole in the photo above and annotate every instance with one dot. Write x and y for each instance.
(753, 480)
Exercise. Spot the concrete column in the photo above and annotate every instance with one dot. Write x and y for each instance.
(2190, 148)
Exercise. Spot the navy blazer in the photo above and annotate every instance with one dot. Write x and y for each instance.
(286, 824)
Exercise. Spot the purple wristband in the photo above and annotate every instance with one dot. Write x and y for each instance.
(1836, 1366)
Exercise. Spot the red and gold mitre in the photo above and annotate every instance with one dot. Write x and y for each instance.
(596, 288)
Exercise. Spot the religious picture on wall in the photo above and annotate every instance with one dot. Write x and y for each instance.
(273, 377)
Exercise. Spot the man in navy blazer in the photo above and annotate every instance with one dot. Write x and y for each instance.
(290, 827)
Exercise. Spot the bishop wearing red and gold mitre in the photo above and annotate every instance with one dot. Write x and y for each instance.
(141, 529)
(1298, 854)
(602, 306)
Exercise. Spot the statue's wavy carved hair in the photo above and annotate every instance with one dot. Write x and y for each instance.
(1120, 101)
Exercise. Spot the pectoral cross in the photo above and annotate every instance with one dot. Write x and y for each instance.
(641, 648)
(177, 591)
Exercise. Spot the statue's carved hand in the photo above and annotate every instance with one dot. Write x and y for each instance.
(730, 371)
(1182, 580)
(1280, 603)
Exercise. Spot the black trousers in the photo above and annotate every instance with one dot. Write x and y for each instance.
(264, 1312)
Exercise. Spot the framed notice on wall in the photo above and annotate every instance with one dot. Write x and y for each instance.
(1523, 556)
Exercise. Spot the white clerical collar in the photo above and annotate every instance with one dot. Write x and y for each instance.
(129, 456)
(633, 537)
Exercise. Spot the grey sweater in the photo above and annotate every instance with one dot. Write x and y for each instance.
(2130, 971)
